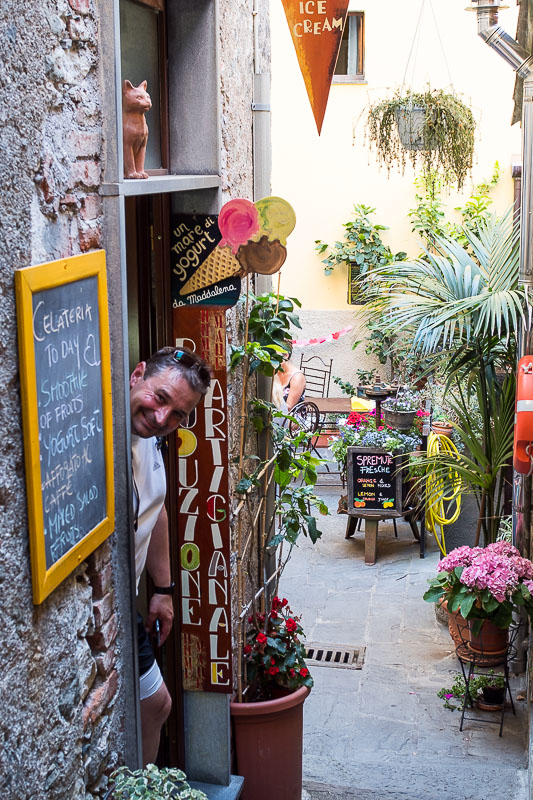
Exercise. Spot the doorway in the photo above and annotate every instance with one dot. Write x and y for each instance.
(150, 328)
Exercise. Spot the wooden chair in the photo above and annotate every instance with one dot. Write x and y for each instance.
(317, 373)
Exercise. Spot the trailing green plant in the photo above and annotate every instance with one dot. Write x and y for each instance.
(151, 783)
(294, 501)
(269, 323)
(288, 466)
(457, 691)
(447, 133)
(428, 218)
(362, 249)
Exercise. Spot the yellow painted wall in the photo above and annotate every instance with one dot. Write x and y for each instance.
(322, 177)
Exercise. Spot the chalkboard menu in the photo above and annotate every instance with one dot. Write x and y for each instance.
(374, 483)
(66, 398)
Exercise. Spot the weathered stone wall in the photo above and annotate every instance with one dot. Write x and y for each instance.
(59, 723)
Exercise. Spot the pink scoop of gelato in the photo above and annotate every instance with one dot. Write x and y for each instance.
(238, 221)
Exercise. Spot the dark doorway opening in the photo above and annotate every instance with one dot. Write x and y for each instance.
(150, 328)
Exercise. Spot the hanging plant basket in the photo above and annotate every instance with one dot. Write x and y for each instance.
(410, 121)
(434, 129)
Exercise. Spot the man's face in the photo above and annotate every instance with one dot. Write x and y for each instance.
(159, 404)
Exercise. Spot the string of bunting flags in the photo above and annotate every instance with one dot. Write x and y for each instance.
(331, 337)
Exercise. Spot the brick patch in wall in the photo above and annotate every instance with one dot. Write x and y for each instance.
(90, 237)
(102, 609)
(106, 661)
(84, 144)
(86, 173)
(98, 698)
(81, 6)
(91, 206)
(102, 581)
(101, 639)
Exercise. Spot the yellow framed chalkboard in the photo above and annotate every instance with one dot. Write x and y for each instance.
(65, 373)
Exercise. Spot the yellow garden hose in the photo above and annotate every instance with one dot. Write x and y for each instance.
(435, 497)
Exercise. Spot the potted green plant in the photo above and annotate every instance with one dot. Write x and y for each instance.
(362, 249)
(400, 411)
(267, 707)
(485, 585)
(434, 128)
(367, 378)
(272, 721)
(441, 424)
(486, 689)
(151, 783)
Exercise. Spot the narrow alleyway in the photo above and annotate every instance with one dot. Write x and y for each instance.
(381, 731)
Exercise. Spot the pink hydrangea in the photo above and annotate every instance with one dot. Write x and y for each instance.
(503, 549)
(529, 586)
(460, 557)
(523, 567)
(493, 572)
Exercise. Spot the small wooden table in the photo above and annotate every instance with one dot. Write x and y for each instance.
(332, 405)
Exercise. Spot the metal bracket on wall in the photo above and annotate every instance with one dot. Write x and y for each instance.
(260, 107)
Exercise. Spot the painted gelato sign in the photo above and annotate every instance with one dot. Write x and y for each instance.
(316, 28)
(211, 253)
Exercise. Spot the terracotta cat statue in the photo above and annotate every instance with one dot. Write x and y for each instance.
(135, 103)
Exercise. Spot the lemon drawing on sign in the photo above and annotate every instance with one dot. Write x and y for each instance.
(187, 442)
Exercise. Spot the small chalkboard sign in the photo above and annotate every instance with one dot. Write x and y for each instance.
(66, 403)
(374, 482)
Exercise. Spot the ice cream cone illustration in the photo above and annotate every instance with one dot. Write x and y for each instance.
(219, 264)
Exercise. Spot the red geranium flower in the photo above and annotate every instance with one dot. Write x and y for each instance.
(291, 625)
(247, 649)
(273, 670)
(284, 602)
(304, 672)
(261, 638)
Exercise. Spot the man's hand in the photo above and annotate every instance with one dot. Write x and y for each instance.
(160, 608)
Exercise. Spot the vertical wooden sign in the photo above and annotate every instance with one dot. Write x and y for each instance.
(316, 28)
(203, 512)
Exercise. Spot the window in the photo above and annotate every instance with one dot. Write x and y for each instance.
(143, 51)
(350, 63)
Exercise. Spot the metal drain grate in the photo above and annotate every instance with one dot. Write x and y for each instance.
(340, 656)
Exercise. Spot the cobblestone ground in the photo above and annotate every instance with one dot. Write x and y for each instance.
(382, 732)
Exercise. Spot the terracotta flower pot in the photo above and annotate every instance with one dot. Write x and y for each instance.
(490, 639)
(268, 740)
(457, 626)
(441, 428)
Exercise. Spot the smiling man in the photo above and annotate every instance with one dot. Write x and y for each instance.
(164, 390)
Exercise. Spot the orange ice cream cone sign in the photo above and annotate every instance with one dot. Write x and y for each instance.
(316, 28)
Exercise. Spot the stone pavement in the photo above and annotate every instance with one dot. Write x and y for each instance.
(382, 732)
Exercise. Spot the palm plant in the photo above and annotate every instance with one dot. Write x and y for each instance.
(463, 308)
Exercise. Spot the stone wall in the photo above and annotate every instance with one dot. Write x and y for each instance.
(59, 712)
